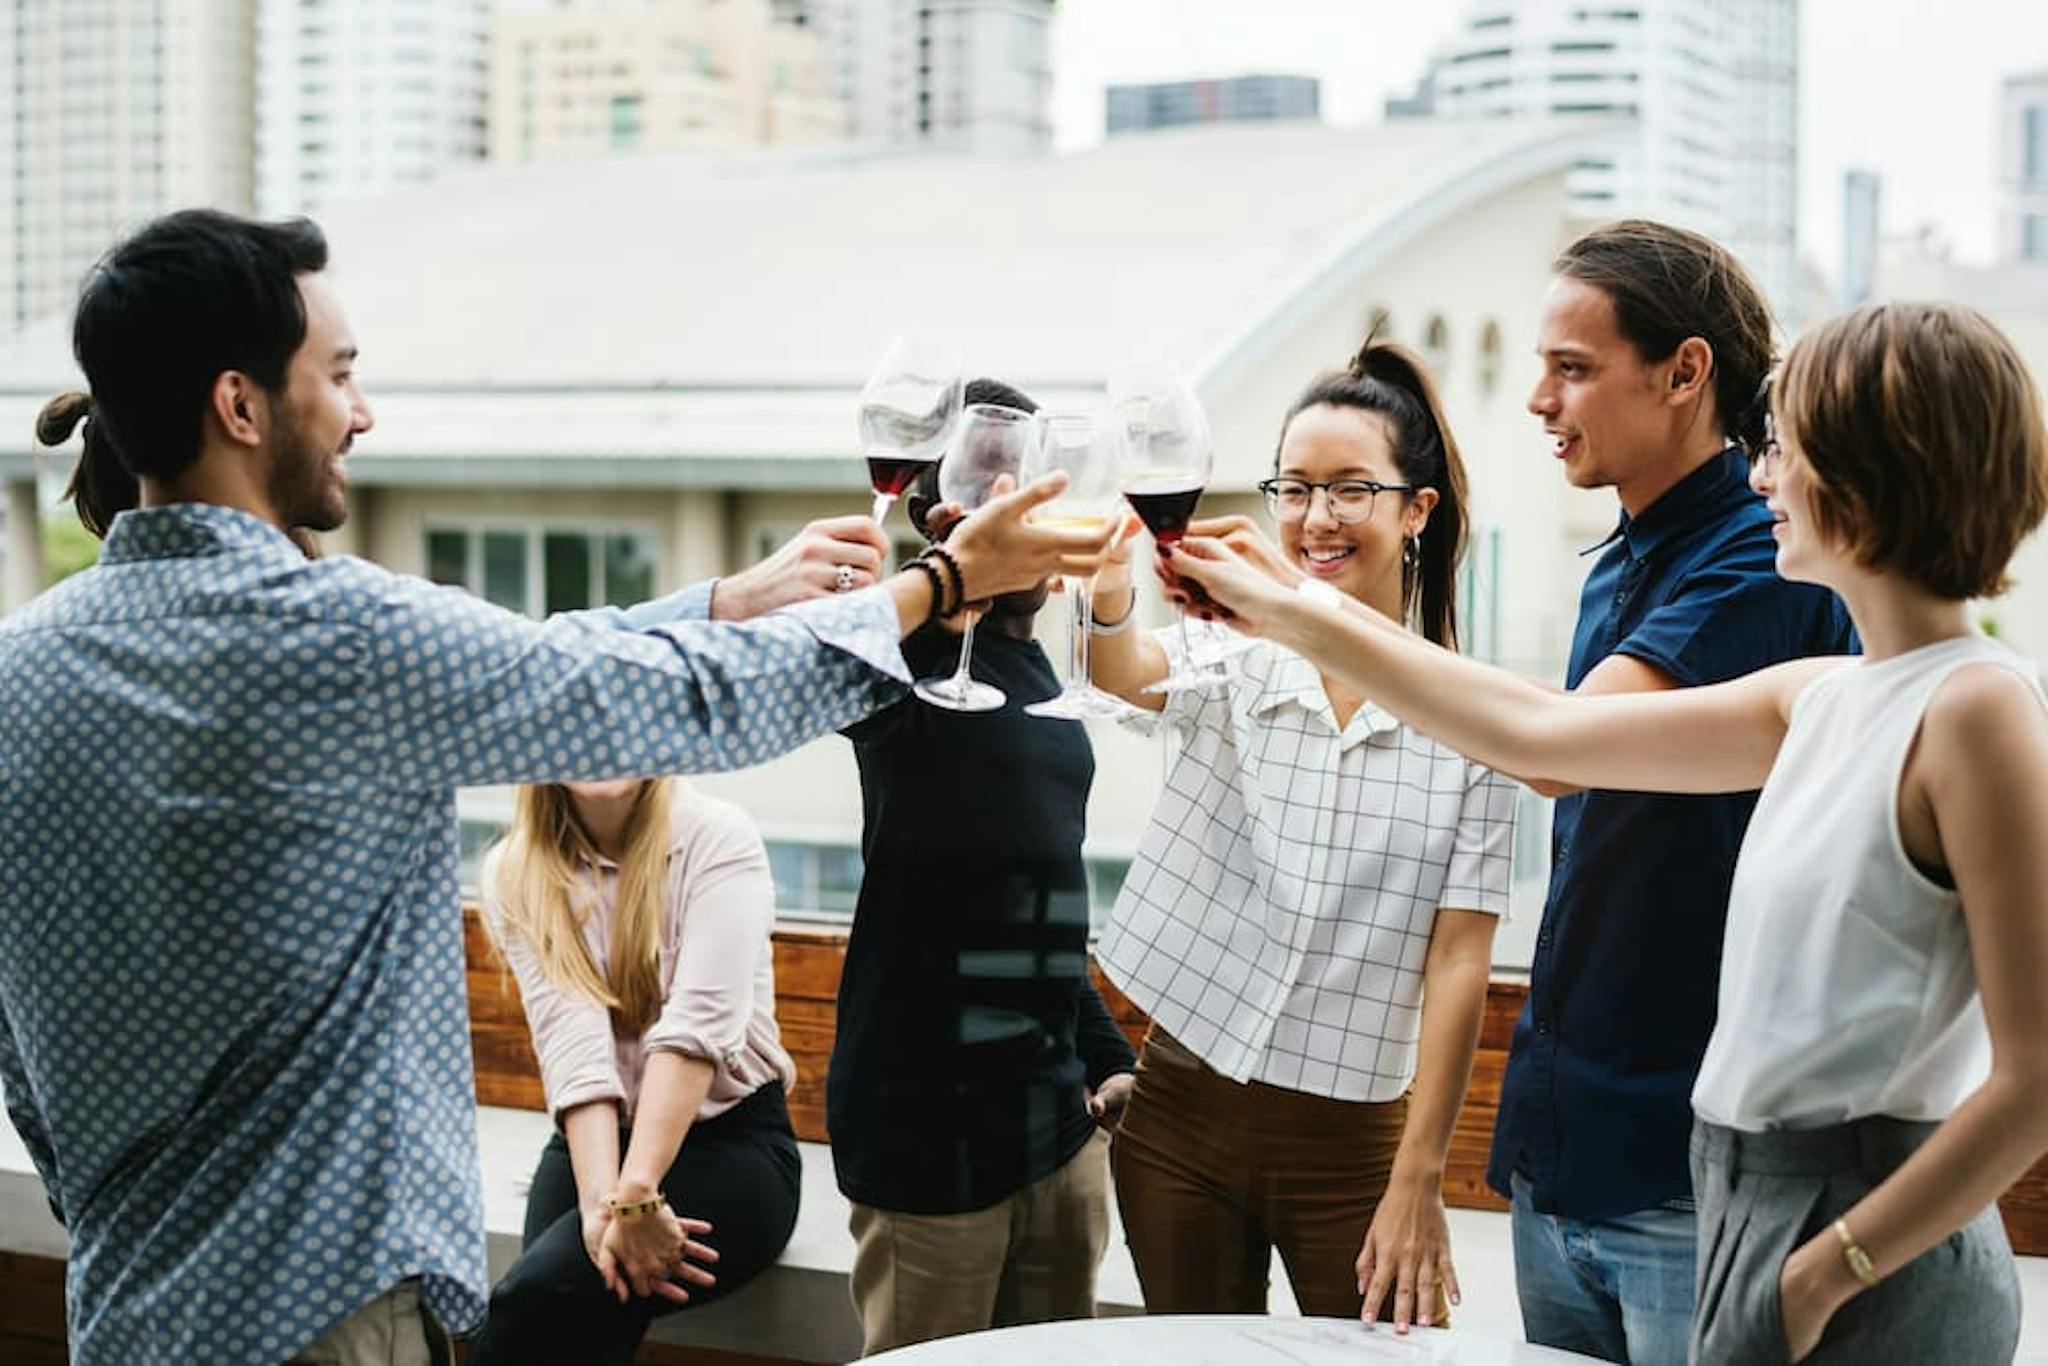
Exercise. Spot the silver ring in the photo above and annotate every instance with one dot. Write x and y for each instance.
(842, 579)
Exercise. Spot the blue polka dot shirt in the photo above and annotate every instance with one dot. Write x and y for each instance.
(233, 1027)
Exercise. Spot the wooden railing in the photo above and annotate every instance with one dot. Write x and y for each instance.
(807, 967)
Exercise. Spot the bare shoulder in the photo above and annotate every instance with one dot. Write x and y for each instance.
(1984, 713)
(1785, 683)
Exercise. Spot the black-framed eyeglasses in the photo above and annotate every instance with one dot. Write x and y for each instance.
(1349, 500)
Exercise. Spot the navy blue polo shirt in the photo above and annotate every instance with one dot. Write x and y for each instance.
(1595, 1107)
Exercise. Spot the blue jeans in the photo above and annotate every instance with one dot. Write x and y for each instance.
(1620, 1289)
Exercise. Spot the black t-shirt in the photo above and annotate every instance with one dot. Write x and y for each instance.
(967, 1023)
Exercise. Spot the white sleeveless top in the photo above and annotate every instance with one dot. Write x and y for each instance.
(1846, 983)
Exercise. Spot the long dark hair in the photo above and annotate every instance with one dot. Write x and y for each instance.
(161, 317)
(1391, 380)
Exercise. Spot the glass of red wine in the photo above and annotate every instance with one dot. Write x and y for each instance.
(1167, 462)
(907, 411)
(990, 442)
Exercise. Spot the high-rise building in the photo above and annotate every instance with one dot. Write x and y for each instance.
(1711, 85)
(2023, 168)
(963, 73)
(360, 96)
(1236, 99)
(596, 78)
(1861, 229)
(111, 112)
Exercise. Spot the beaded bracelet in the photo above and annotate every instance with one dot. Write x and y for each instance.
(945, 557)
(938, 582)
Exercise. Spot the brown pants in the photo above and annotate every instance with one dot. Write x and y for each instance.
(1029, 1258)
(1212, 1175)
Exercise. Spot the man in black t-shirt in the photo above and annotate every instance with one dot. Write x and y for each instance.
(974, 1056)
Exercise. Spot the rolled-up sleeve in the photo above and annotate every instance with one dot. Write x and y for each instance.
(725, 897)
(1481, 873)
(572, 1038)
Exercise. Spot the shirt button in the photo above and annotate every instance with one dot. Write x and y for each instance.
(1543, 940)
(1543, 1026)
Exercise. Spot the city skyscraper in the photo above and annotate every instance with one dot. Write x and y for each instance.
(360, 97)
(599, 78)
(1234, 99)
(111, 113)
(964, 73)
(1711, 85)
(2023, 168)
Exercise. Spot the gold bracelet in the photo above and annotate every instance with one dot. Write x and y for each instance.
(630, 1209)
(1852, 1252)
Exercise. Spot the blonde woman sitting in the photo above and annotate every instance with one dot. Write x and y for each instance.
(636, 917)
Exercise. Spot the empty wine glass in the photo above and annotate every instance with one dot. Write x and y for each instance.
(1089, 451)
(991, 441)
(1167, 462)
(907, 411)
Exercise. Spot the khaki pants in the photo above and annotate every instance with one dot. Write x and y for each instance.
(394, 1329)
(1212, 1175)
(1029, 1258)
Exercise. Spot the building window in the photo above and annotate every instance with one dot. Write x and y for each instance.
(2034, 239)
(2034, 167)
(536, 570)
(1436, 346)
(1489, 358)
(625, 127)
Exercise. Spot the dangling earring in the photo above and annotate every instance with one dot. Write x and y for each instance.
(1411, 579)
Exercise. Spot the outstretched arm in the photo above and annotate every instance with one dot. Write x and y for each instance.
(1722, 738)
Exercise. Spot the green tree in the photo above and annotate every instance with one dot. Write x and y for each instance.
(67, 546)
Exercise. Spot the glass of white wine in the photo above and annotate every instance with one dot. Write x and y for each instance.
(1090, 452)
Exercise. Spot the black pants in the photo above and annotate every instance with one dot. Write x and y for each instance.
(740, 1171)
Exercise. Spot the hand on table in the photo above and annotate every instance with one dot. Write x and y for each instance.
(1408, 1249)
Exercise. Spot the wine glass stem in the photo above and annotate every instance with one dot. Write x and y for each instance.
(961, 677)
(1082, 591)
(882, 501)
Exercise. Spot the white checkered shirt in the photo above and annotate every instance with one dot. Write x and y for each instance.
(1278, 915)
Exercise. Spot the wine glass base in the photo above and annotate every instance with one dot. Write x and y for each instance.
(959, 695)
(1082, 704)
(1191, 680)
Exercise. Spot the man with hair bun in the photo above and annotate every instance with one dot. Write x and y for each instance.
(232, 1031)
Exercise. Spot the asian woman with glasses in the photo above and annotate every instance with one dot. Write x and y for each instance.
(1309, 920)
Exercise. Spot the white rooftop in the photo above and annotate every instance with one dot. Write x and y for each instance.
(639, 308)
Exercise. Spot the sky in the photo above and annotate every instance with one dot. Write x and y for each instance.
(1908, 88)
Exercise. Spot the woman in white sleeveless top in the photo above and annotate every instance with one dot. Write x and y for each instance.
(1875, 1077)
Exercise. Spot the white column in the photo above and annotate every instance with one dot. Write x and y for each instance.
(24, 549)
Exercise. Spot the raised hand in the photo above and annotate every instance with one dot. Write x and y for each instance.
(808, 566)
(1251, 545)
(1001, 551)
(1245, 596)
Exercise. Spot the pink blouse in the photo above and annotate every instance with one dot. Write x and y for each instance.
(717, 974)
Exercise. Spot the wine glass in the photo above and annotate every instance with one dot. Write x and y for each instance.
(907, 410)
(1089, 451)
(991, 441)
(1167, 464)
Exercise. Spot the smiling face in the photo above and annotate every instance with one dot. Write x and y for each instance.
(1604, 407)
(1326, 442)
(317, 418)
(1806, 554)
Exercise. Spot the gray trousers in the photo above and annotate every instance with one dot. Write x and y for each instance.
(395, 1329)
(1762, 1195)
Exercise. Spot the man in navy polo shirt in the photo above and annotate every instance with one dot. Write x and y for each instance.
(1655, 344)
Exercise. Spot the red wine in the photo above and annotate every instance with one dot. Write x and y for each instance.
(891, 475)
(1165, 503)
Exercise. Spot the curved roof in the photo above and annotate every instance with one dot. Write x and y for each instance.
(630, 306)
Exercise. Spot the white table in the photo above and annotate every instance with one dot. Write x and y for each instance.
(1222, 1340)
